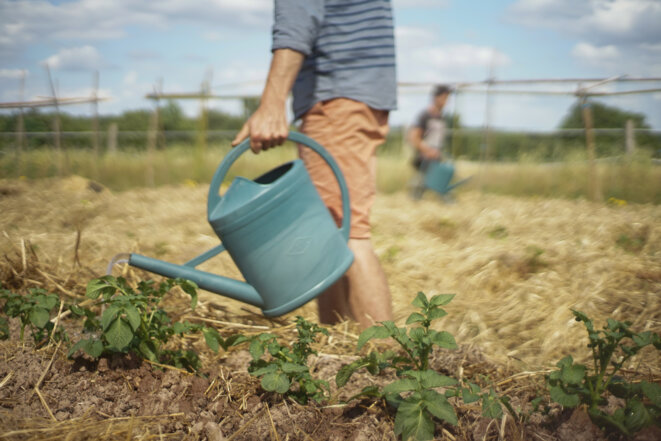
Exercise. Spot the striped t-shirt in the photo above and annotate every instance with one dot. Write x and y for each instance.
(349, 47)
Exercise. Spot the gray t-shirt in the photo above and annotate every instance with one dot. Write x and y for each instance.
(434, 129)
(349, 50)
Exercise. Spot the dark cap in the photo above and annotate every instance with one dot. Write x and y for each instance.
(441, 89)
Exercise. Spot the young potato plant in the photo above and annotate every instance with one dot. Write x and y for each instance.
(285, 369)
(574, 384)
(132, 321)
(414, 393)
(33, 310)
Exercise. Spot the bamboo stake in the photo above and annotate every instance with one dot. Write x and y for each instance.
(95, 120)
(20, 129)
(56, 124)
(152, 137)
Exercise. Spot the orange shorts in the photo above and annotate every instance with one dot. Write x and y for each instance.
(350, 131)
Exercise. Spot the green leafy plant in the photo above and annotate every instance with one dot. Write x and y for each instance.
(33, 309)
(283, 369)
(132, 321)
(413, 393)
(574, 384)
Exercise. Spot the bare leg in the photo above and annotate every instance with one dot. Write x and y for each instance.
(362, 294)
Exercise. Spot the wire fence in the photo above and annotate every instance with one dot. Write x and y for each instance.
(472, 144)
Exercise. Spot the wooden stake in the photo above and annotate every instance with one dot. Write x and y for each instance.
(152, 137)
(20, 129)
(95, 117)
(629, 138)
(594, 187)
(56, 124)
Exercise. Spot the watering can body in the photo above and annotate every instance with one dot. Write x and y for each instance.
(277, 230)
(438, 175)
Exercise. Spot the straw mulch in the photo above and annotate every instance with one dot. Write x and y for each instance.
(517, 266)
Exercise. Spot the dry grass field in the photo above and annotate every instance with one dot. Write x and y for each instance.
(516, 265)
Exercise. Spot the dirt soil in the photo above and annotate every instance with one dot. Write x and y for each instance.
(510, 316)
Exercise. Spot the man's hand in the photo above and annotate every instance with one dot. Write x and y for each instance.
(268, 127)
(429, 153)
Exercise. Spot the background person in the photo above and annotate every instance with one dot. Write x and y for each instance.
(427, 136)
(338, 58)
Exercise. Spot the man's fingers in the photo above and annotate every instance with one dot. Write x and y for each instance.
(243, 134)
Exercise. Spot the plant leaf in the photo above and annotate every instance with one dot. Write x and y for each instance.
(399, 386)
(441, 299)
(415, 317)
(275, 382)
(443, 339)
(652, 391)
(99, 286)
(561, 397)
(190, 288)
(95, 348)
(119, 334)
(469, 397)
(436, 313)
(108, 316)
(211, 337)
(133, 316)
(39, 317)
(439, 406)
(375, 331)
(293, 368)
(412, 422)
(490, 405)
(573, 374)
(420, 300)
(268, 369)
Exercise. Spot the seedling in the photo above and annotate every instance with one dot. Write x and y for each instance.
(413, 393)
(285, 369)
(33, 309)
(573, 384)
(132, 322)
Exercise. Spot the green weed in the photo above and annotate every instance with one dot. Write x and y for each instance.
(574, 384)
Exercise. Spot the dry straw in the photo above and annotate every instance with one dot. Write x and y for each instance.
(516, 265)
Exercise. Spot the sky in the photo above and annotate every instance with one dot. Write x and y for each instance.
(136, 45)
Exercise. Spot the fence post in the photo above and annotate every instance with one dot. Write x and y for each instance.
(629, 138)
(20, 129)
(112, 139)
(56, 125)
(594, 187)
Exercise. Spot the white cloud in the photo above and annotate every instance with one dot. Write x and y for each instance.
(29, 21)
(605, 21)
(434, 62)
(628, 30)
(131, 78)
(12, 74)
(595, 55)
(75, 59)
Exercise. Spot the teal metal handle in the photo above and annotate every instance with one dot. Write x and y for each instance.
(214, 197)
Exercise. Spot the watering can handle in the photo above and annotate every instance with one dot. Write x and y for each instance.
(218, 177)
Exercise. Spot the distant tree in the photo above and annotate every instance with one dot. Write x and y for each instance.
(603, 117)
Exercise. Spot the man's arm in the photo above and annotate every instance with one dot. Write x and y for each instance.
(415, 139)
(268, 127)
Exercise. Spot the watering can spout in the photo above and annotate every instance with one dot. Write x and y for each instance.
(225, 286)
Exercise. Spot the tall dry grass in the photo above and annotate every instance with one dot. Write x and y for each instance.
(633, 179)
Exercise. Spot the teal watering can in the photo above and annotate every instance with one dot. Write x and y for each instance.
(437, 176)
(277, 230)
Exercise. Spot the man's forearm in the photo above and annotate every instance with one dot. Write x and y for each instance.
(285, 65)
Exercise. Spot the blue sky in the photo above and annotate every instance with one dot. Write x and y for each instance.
(133, 45)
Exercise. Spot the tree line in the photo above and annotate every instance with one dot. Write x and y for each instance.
(463, 142)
